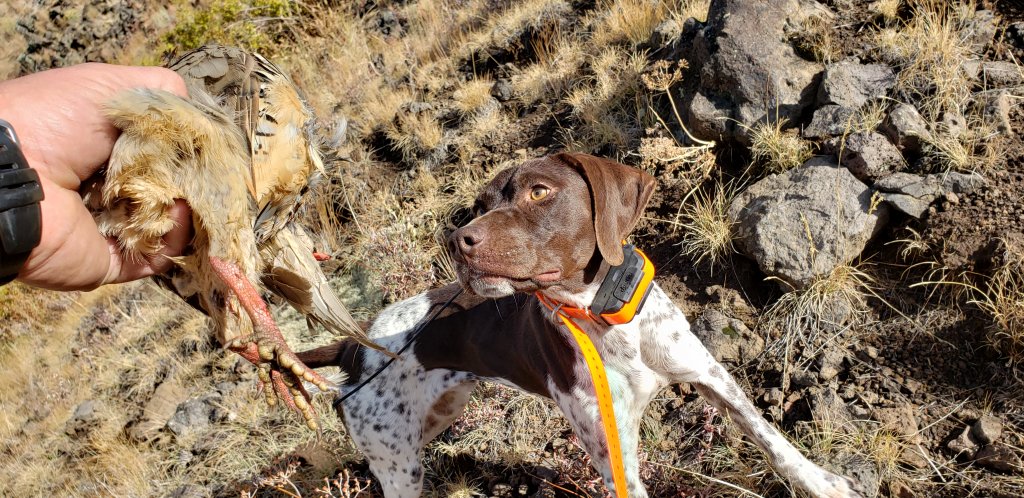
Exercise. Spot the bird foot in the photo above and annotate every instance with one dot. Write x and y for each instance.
(279, 370)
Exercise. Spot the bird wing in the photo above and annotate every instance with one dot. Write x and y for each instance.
(295, 275)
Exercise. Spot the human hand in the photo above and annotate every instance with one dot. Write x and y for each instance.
(66, 137)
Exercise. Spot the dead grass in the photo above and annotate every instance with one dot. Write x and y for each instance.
(886, 11)
(806, 319)
(814, 37)
(607, 104)
(708, 234)
(929, 50)
(776, 149)
(629, 21)
(1001, 296)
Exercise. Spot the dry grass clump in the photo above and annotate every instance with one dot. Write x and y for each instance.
(886, 10)
(871, 442)
(1001, 296)
(415, 135)
(976, 148)
(929, 49)
(115, 348)
(826, 306)
(502, 30)
(607, 103)
(697, 9)
(814, 38)
(870, 116)
(776, 149)
(473, 95)
(255, 24)
(630, 21)
(491, 427)
(665, 158)
(708, 234)
(552, 74)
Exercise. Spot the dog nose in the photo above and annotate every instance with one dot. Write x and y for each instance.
(469, 239)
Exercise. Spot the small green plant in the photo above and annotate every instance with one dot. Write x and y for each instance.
(254, 24)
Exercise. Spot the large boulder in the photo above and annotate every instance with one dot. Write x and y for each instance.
(802, 224)
(748, 72)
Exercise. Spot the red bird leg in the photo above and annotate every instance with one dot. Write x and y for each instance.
(267, 344)
(320, 256)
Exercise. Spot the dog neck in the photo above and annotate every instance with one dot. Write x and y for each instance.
(614, 299)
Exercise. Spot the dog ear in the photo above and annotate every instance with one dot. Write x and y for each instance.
(618, 194)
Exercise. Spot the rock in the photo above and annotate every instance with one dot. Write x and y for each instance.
(987, 429)
(501, 490)
(993, 74)
(666, 32)
(728, 339)
(900, 419)
(502, 90)
(87, 415)
(158, 410)
(900, 489)
(911, 455)
(997, 111)
(1015, 34)
(868, 155)
(748, 72)
(862, 471)
(821, 199)
(829, 121)
(800, 378)
(851, 84)
(195, 415)
(980, 30)
(830, 364)
(963, 443)
(953, 123)
(913, 194)
(998, 457)
(774, 397)
(906, 128)
(828, 407)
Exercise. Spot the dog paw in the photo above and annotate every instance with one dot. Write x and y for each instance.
(838, 487)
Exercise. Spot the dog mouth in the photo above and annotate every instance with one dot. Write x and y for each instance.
(488, 283)
(548, 277)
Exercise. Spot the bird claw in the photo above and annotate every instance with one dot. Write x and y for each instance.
(281, 373)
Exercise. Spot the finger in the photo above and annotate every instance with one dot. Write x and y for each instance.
(174, 241)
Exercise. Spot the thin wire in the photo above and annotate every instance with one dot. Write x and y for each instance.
(387, 364)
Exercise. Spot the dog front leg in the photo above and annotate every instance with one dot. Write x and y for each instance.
(722, 391)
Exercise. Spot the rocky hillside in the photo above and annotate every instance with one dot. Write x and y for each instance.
(840, 189)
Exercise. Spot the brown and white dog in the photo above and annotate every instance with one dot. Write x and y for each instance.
(552, 225)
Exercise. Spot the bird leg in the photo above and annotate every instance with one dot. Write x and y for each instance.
(280, 371)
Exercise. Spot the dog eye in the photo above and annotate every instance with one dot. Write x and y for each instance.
(539, 193)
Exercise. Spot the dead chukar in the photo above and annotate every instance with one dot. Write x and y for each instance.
(241, 152)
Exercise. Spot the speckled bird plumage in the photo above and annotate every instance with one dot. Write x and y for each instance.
(240, 150)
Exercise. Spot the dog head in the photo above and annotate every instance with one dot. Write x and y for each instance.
(547, 224)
